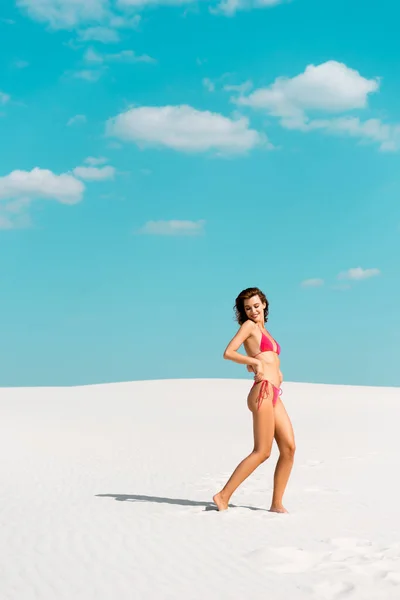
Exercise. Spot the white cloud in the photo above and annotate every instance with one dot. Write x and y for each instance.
(208, 84)
(94, 173)
(87, 75)
(357, 274)
(184, 128)
(388, 136)
(103, 17)
(76, 120)
(240, 88)
(65, 14)
(312, 282)
(20, 188)
(329, 87)
(144, 3)
(106, 35)
(127, 56)
(226, 7)
(41, 183)
(14, 213)
(95, 161)
(91, 56)
(173, 227)
(231, 7)
(4, 98)
(125, 22)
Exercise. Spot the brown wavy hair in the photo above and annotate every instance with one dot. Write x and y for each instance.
(246, 294)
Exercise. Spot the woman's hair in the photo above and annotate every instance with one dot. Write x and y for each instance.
(246, 294)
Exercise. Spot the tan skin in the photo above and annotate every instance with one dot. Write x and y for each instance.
(269, 422)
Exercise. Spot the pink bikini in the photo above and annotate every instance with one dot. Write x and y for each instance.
(267, 345)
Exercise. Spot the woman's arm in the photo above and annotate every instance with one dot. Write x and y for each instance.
(231, 351)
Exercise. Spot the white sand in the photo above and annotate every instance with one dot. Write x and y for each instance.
(105, 493)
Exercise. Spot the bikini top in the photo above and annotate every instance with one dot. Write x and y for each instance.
(268, 345)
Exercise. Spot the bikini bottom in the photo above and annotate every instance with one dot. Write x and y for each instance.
(264, 392)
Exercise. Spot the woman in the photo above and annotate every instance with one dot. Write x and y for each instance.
(270, 419)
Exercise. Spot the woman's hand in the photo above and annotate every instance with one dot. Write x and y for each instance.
(259, 371)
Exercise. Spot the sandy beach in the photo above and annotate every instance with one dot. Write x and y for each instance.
(106, 493)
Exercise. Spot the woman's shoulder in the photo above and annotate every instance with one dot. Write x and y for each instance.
(248, 326)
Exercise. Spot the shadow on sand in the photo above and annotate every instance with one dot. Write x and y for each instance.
(178, 501)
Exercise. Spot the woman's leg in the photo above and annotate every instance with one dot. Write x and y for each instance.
(284, 437)
(263, 429)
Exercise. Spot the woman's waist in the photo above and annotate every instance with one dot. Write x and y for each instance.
(272, 373)
(271, 369)
(269, 359)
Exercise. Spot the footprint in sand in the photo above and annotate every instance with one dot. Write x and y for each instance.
(310, 464)
(332, 591)
(354, 550)
(288, 559)
(392, 551)
(393, 577)
(343, 564)
(376, 565)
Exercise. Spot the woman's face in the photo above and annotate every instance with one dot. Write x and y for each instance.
(254, 309)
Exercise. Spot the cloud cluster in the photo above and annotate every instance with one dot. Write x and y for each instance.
(95, 63)
(328, 87)
(125, 56)
(353, 274)
(94, 173)
(231, 7)
(358, 273)
(106, 35)
(184, 128)
(65, 14)
(41, 183)
(101, 20)
(94, 20)
(19, 189)
(331, 88)
(173, 228)
(94, 161)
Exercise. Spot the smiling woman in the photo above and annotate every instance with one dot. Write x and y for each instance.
(270, 419)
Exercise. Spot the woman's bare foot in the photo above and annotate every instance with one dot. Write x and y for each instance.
(220, 501)
(278, 509)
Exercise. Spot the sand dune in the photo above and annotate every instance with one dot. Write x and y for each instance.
(106, 493)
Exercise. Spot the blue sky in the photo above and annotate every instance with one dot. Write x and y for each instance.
(158, 157)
